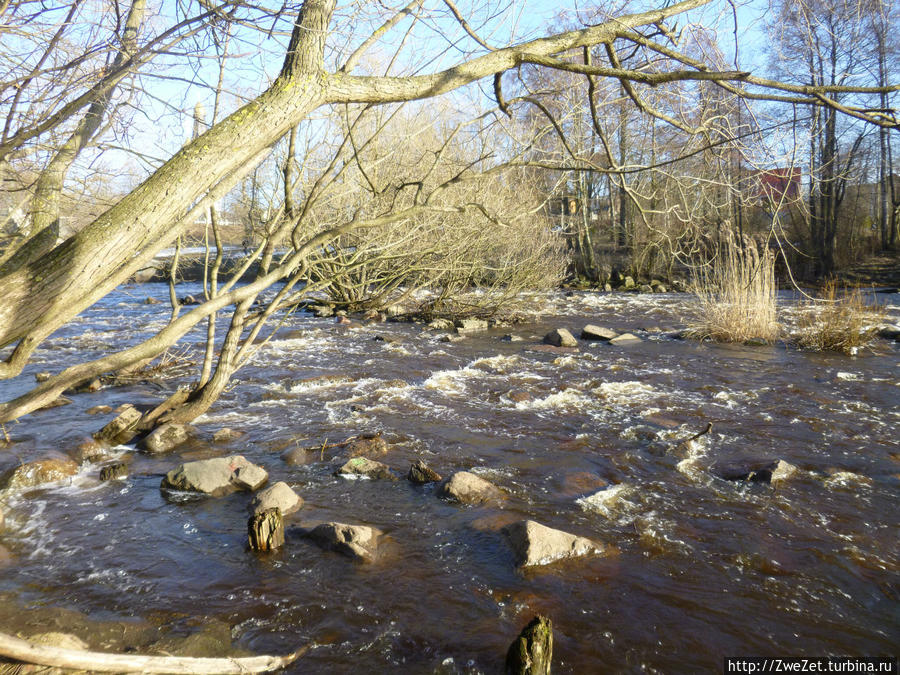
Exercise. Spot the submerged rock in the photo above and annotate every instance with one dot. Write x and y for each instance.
(749, 470)
(217, 476)
(226, 435)
(99, 410)
(467, 488)
(355, 541)
(89, 451)
(372, 445)
(592, 332)
(420, 474)
(280, 496)
(165, 437)
(560, 337)
(38, 472)
(536, 544)
(363, 466)
(624, 339)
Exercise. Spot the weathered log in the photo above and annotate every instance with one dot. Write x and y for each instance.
(532, 652)
(122, 429)
(265, 530)
(17, 649)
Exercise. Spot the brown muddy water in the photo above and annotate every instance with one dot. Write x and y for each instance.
(700, 568)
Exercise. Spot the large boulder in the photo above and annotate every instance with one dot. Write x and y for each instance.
(165, 437)
(592, 332)
(355, 541)
(363, 467)
(420, 473)
(280, 496)
(560, 337)
(467, 488)
(536, 544)
(217, 476)
(32, 474)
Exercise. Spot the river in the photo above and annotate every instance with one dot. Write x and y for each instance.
(698, 568)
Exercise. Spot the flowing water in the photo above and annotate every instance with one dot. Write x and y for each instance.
(698, 568)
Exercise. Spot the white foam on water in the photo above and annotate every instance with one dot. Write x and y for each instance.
(452, 381)
(850, 377)
(610, 502)
(847, 479)
(623, 393)
(568, 399)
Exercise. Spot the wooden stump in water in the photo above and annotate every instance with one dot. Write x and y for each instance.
(532, 652)
(265, 530)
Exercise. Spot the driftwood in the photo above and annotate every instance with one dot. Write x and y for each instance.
(265, 531)
(17, 649)
(532, 652)
(685, 444)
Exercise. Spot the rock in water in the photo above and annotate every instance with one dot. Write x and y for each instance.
(217, 476)
(372, 445)
(560, 337)
(592, 332)
(471, 326)
(532, 652)
(113, 471)
(355, 541)
(368, 468)
(749, 470)
(165, 437)
(536, 544)
(122, 429)
(420, 474)
(265, 530)
(625, 339)
(467, 488)
(280, 495)
(38, 472)
(783, 471)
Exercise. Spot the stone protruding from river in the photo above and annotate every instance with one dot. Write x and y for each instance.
(113, 472)
(165, 437)
(783, 471)
(441, 324)
(265, 530)
(370, 445)
(363, 467)
(354, 541)
(216, 476)
(226, 435)
(471, 326)
(280, 496)
(592, 332)
(99, 410)
(89, 451)
(38, 472)
(420, 473)
(536, 544)
(747, 470)
(122, 429)
(532, 652)
(560, 337)
(625, 339)
(467, 488)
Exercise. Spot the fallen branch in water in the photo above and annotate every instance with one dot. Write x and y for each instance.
(684, 444)
(17, 649)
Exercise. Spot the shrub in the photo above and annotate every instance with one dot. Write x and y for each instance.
(736, 290)
(839, 320)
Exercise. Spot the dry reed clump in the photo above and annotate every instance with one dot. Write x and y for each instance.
(736, 291)
(839, 320)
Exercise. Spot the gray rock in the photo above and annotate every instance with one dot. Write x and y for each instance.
(226, 435)
(369, 468)
(660, 289)
(536, 544)
(280, 496)
(113, 472)
(645, 288)
(89, 451)
(216, 477)
(560, 337)
(470, 326)
(628, 283)
(889, 332)
(420, 474)
(624, 339)
(747, 470)
(467, 488)
(592, 332)
(355, 541)
(509, 337)
(99, 410)
(165, 437)
(42, 376)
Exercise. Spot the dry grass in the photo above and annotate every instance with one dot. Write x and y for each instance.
(839, 320)
(736, 291)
